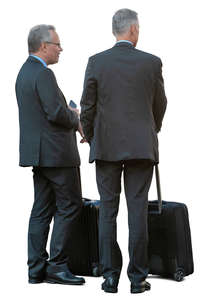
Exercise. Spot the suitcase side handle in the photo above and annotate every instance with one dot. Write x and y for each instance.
(159, 197)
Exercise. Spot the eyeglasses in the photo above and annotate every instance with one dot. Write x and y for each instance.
(57, 44)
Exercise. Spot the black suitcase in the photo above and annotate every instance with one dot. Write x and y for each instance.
(170, 249)
(84, 252)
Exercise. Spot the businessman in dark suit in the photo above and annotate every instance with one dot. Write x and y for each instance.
(48, 143)
(122, 108)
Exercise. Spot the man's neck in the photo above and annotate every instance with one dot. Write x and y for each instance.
(40, 58)
(125, 41)
(125, 38)
(38, 54)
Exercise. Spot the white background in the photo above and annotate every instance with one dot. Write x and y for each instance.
(176, 31)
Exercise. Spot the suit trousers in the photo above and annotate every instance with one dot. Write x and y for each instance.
(57, 197)
(137, 180)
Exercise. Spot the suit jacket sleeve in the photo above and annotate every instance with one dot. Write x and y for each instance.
(160, 101)
(88, 102)
(52, 102)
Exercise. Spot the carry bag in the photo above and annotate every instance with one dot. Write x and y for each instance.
(170, 248)
(84, 252)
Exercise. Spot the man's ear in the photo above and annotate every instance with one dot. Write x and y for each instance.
(132, 29)
(43, 47)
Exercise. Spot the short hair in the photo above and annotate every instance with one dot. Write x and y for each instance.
(37, 35)
(122, 20)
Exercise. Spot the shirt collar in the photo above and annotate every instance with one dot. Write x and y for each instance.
(40, 59)
(121, 41)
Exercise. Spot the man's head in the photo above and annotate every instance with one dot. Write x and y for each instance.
(44, 42)
(125, 25)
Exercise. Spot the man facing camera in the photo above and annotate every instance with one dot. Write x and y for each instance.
(122, 109)
(48, 143)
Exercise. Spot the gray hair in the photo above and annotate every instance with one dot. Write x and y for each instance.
(122, 20)
(37, 35)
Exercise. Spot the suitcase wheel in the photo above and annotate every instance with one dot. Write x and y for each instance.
(179, 274)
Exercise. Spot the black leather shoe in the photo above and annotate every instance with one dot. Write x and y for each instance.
(140, 287)
(35, 280)
(110, 285)
(65, 277)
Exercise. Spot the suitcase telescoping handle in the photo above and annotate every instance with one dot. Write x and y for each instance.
(159, 197)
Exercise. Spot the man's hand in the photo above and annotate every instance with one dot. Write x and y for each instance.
(83, 140)
(76, 110)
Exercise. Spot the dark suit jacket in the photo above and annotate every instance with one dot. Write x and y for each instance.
(47, 126)
(123, 104)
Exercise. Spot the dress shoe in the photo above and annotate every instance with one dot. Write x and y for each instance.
(35, 280)
(65, 277)
(140, 287)
(110, 285)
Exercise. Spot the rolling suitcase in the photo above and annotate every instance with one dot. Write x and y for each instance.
(84, 253)
(170, 249)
